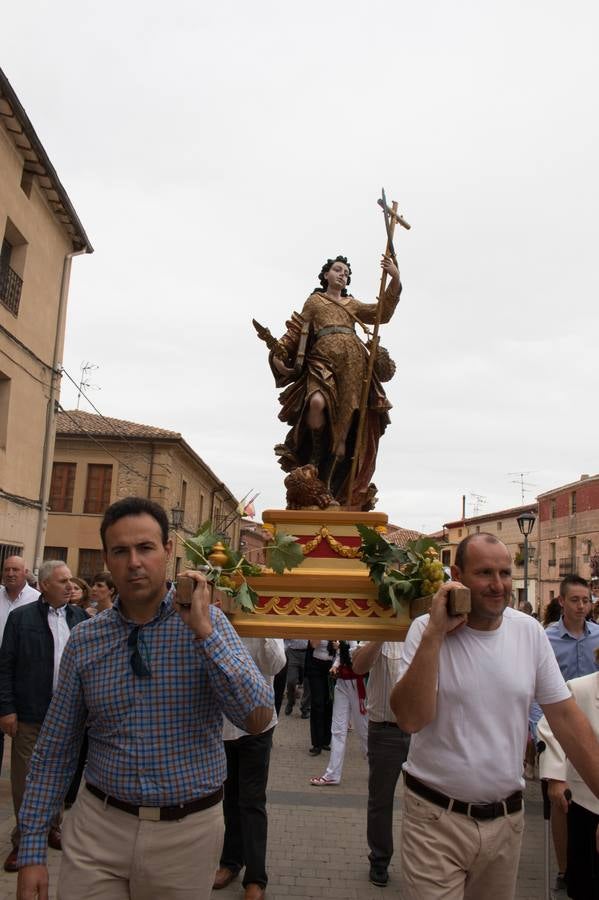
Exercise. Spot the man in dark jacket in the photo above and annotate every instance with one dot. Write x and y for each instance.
(34, 638)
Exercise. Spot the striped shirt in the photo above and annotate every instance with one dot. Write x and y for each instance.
(153, 741)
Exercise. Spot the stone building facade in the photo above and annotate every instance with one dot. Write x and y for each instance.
(569, 534)
(504, 525)
(39, 235)
(98, 460)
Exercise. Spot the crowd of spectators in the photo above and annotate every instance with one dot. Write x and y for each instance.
(450, 708)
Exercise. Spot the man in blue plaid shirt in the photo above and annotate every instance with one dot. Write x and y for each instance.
(151, 678)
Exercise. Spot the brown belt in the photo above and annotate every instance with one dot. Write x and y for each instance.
(158, 813)
(511, 804)
(333, 329)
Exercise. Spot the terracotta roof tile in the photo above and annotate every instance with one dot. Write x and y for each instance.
(77, 422)
(401, 536)
(512, 512)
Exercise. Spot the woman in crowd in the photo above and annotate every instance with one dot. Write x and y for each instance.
(349, 705)
(80, 593)
(102, 592)
(552, 612)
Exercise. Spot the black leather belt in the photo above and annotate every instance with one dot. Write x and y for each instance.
(158, 813)
(385, 724)
(511, 804)
(334, 329)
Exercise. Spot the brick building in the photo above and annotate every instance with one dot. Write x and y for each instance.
(504, 525)
(39, 235)
(569, 534)
(253, 539)
(98, 460)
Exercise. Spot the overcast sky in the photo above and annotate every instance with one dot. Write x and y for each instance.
(218, 153)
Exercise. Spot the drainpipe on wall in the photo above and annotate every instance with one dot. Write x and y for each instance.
(151, 475)
(49, 434)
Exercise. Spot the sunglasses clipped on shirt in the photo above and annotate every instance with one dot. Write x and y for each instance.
(139, 659)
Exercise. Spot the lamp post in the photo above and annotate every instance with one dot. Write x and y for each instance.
(526, 523)
(176, 523)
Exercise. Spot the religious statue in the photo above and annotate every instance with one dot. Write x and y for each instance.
(322, 363)
(332, 395)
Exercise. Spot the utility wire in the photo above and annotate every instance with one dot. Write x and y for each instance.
(106, 450)
(110, 423)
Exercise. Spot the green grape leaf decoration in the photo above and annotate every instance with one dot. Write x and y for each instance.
(285, 552)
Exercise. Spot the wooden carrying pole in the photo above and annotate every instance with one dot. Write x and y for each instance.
(370, 368)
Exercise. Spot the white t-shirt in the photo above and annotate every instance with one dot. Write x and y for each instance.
(381, 679)
(474, 748)
(269, 656)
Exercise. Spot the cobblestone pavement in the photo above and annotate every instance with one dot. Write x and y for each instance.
(317, 844)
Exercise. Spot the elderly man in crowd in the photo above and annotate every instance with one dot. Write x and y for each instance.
(153, 677)
(15, 591)
(34, 639)
(464, 693)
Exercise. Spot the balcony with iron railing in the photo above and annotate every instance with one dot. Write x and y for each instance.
(567, 565)
(10, 289)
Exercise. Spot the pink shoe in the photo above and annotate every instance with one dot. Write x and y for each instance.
(322, 782)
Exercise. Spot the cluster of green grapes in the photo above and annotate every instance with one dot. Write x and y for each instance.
(433, 576)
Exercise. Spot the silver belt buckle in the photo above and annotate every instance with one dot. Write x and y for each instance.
(149, 813)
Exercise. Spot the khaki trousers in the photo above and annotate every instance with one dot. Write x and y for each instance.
(448, 856)
(20, 756)
(112, 855)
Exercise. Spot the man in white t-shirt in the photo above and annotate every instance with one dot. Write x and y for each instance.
(464, 694)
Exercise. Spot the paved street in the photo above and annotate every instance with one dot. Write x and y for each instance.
(317, 835)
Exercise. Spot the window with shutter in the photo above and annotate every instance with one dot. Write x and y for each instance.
(97, 493)
(56, 553)
(62, 487)
(90, 563)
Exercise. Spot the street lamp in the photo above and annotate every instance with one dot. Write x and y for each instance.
(526, 523)
(177, 516)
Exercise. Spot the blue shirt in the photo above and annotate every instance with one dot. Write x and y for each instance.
(575, 654)
(153, 741)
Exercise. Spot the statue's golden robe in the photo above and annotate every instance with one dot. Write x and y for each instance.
(335, 364)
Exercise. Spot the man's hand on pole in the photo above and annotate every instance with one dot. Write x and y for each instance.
(9, 724)
(441, 623)
(196, 615)
(557, 793)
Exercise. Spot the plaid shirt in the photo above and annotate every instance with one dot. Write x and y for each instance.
(153, 741)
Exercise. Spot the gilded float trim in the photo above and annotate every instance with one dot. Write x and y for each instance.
(319, 517)
(321, 606)
(336, 546)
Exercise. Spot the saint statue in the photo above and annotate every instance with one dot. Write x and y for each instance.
(322, 364)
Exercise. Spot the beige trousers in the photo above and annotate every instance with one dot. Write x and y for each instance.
(20, 757)
(111, 855)
(448, 856)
